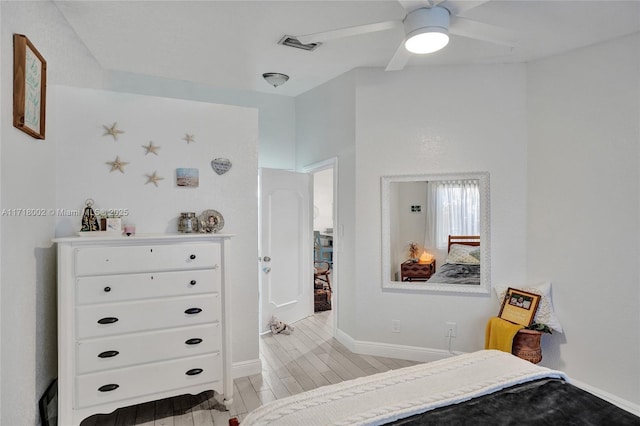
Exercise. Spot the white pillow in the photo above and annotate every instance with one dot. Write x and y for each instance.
(545, 313)
(461, 253)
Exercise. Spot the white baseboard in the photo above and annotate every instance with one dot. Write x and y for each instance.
(246, 368)
(622, 403)
(413, 353)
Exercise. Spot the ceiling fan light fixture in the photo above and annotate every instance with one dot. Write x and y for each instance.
(427, 30)
(427, 42)
(275, 78)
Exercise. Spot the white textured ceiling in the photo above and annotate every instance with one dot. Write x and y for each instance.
(229, 44)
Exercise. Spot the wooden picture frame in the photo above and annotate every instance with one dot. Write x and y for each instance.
(29, 87)
(519, 306)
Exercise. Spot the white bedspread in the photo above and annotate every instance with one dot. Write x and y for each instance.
(396, 394)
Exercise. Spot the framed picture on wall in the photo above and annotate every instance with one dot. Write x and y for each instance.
(519, 306)
(29, 87)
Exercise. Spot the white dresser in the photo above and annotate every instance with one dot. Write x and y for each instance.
(141, 318)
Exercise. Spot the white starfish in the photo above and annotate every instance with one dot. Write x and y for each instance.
(151, 148)
(154, 178)
(189, 138)
(113, 131)
(117, 164)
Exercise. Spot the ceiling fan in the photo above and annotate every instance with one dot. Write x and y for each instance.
(427, 26)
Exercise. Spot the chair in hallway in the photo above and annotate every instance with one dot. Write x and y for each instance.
(322, 286)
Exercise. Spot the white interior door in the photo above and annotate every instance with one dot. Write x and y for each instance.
(286, 249)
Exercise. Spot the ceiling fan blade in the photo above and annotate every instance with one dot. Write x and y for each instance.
(411, 5)
(457, 7)
(399, 59)
(348, 32)
(479, 31)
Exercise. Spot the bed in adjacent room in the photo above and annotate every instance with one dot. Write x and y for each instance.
(462, 264)
(484, 387)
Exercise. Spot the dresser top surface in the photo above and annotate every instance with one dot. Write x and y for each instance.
(90, 238)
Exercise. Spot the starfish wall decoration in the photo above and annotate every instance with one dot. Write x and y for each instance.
(154, 178)
(117, 164)
(189, 138)
(151, 148)
(113, 131)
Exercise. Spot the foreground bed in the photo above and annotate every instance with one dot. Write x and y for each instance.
(485, 387)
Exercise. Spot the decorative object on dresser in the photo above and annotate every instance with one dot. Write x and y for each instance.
(89, 219)
(417, 271)
(141, 319)
(188, 223)
(211, 221)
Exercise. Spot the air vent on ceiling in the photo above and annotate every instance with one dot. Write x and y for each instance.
(293, 42)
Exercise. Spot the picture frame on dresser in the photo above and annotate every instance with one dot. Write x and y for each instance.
(29, 87)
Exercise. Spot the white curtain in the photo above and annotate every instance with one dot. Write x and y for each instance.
(453, 208)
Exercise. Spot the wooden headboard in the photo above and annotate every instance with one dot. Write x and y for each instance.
(468, 240)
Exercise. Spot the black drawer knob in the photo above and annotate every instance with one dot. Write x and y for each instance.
(107, 320)
(194, 371)
(193, 256)
(192, 311)
(194, 341)
(108, 354)
(108, 388)
(193, 282)
(107, 289)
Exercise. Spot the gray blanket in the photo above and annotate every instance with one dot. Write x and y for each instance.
(456, 273)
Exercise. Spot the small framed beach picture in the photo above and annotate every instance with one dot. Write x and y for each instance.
(29, 87)
(187, 177)
(519, 306)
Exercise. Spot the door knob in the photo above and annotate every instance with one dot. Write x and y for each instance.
(266, 269)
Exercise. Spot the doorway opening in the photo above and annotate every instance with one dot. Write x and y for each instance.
(325, 237)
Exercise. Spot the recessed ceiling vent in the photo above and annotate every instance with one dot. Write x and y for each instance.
(291, 41)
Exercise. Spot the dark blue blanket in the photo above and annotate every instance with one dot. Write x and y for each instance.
(456, 273)
(541, 402)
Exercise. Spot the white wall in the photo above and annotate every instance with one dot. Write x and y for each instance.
(27, 279)
(325, 128)
(220, 131)
(561, 140)
(584, 215)
(323, 200)
(437, 120)
(276, 122)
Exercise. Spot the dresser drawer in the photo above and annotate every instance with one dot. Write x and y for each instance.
(116, 385)
(131, 317)
(116, 288)
(139, 348)
(117, 260)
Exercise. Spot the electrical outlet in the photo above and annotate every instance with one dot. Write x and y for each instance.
(451, 329)
(395, 326)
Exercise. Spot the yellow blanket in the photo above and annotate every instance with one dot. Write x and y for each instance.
(500, 333)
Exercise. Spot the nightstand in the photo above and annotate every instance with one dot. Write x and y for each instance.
(417, 271)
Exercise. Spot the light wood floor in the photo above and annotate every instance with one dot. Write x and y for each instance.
(306, 359)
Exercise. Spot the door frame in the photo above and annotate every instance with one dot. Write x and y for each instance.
(331, 163)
